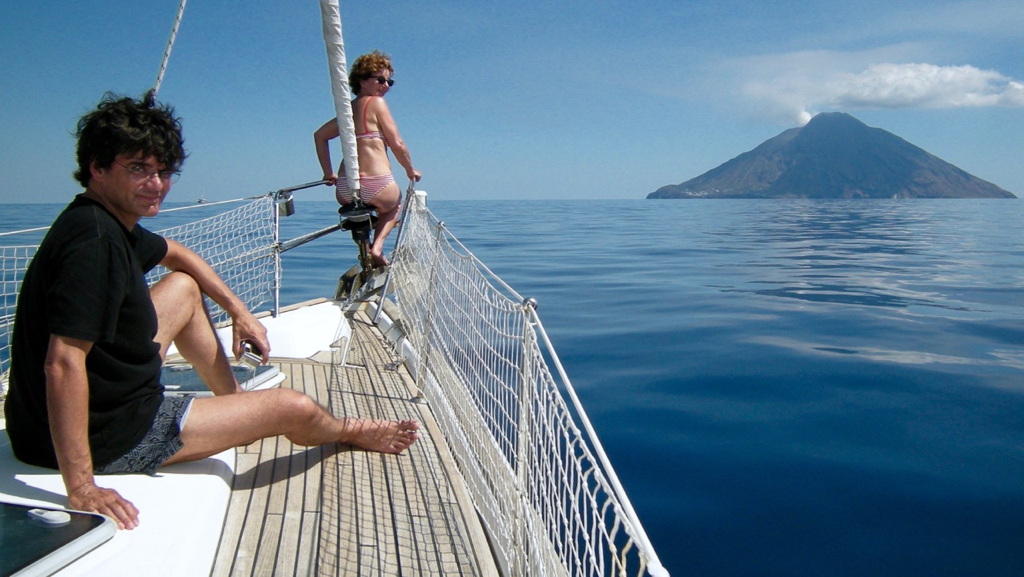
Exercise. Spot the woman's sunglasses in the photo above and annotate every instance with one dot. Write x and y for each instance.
(383, 80)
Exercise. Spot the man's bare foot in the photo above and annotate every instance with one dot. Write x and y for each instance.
(380, 436)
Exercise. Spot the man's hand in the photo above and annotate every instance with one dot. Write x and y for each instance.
(89, 497)
(247, 327)
(67, 403)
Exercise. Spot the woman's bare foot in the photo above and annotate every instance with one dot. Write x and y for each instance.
(379, 259)
(381, 436)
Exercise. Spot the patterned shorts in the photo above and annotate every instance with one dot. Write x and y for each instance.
(161, 442)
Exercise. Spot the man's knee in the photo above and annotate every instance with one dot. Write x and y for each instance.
(176, 289)
(296, 405)
(178, 282)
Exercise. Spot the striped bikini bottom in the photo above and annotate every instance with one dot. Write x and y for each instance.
(369, 186)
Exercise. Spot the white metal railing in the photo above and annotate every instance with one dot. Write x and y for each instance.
(539, 477)
(548, 495)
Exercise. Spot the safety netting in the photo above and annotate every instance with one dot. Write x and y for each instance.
(241, 246)
(547, 493)
(13, 262)
(239, 243)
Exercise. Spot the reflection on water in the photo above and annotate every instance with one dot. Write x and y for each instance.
(886, 254)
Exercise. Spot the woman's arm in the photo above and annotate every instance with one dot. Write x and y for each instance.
(322, 138)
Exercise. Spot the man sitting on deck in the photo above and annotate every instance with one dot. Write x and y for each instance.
(90, 337)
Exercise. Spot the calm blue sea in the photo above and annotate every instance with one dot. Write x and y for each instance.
(786, 388)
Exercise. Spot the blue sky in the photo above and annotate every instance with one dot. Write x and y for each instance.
(546, 99)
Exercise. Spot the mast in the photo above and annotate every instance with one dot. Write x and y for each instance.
(331, 17)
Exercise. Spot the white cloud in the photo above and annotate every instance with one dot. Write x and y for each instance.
(795, 87)
(923, 86)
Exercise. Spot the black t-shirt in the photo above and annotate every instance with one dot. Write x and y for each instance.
(87, 281)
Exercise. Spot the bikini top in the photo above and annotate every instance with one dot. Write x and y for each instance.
(369, 135)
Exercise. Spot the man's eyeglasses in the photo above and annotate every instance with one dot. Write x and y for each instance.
(142, 173)
(383, 80)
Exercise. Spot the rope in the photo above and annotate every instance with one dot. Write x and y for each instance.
(167, 52)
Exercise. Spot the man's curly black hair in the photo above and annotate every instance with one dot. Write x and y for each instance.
(131, 127)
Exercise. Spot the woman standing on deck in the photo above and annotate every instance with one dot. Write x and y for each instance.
(370, 79)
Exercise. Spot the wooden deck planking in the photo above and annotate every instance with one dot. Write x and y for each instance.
(415, 515)
(335, 511)
(373, 528)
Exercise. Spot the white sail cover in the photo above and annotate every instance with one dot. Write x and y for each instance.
(331, 16)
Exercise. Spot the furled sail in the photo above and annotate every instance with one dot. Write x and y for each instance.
(331, 16)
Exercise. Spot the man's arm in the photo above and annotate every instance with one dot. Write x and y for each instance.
(245, 326)
(67, 403)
